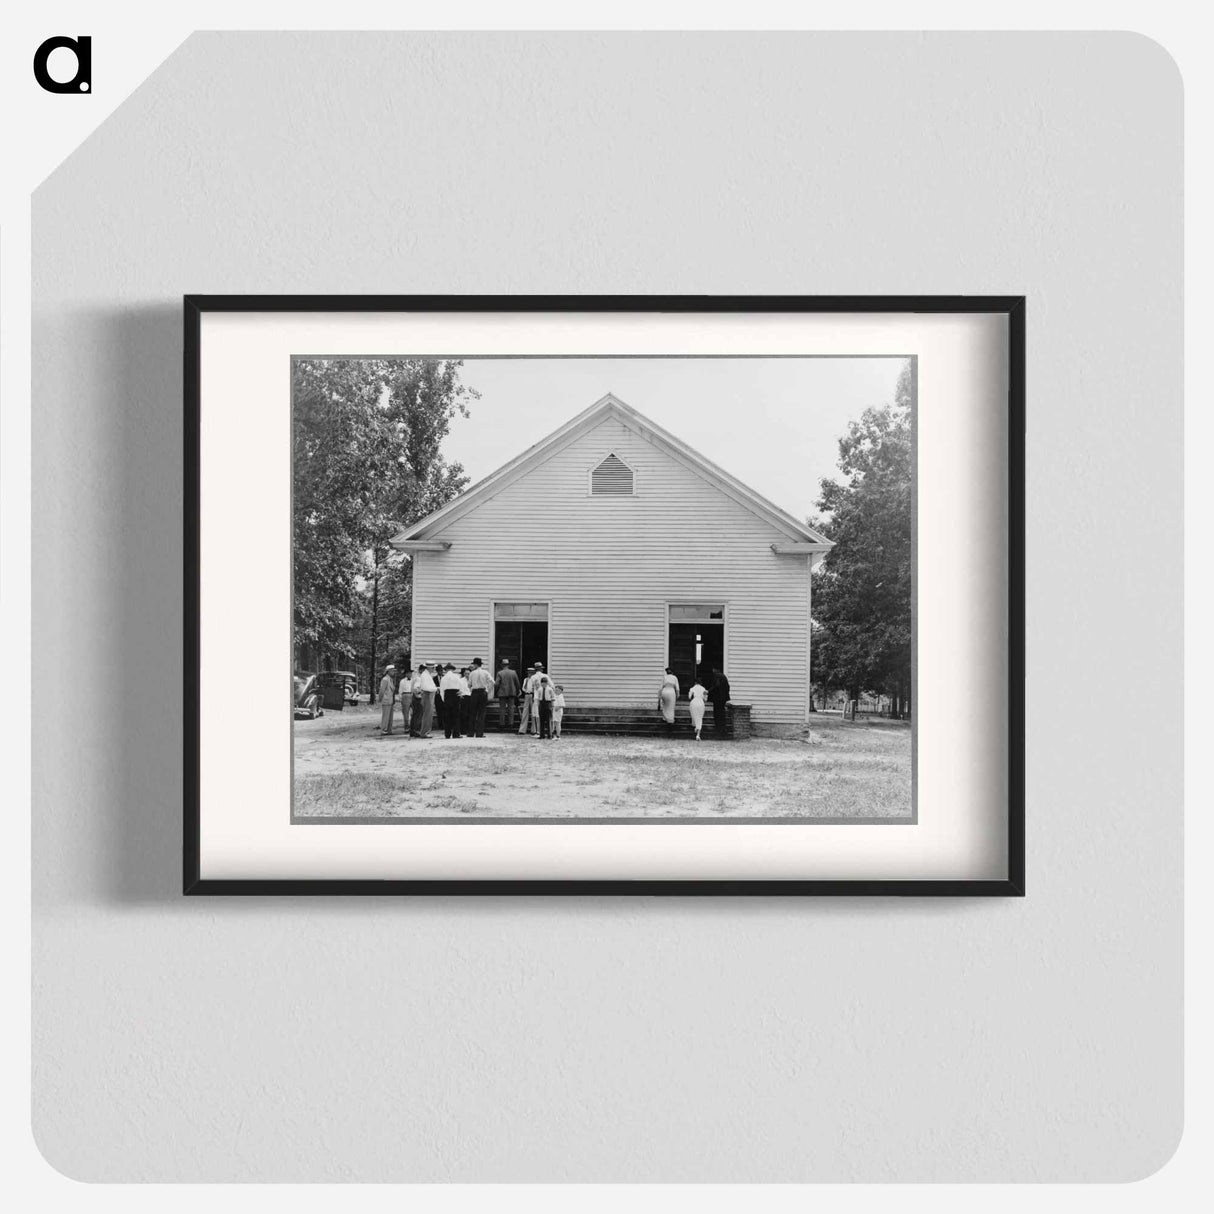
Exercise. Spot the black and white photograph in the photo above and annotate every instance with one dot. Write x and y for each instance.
(606, 593)
(602, 589)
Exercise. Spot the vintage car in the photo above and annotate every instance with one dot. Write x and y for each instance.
(337, 688)
(308, 704)
(349, 684)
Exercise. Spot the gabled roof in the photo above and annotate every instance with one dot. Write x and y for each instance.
(608, 407)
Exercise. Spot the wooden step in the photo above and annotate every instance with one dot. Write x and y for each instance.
(625, 729)
(635, 722)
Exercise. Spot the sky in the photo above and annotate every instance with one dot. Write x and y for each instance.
(774, 423)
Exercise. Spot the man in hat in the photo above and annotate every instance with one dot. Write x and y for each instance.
(718, 693)
(465, 702)
(449, 689)
(439, 670)
(507, 690)
(414, 716)
(524, 726)
(481, 682)
(424, 685)
(387, 699)
(404, 693)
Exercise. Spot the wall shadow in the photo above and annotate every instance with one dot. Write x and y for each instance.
(107, 605)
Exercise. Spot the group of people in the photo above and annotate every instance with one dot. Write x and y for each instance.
(542, 700)
(458, 700)
(717, 693)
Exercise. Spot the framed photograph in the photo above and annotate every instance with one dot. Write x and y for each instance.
(604, 594)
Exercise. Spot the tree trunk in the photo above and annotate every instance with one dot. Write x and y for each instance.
(374, 630)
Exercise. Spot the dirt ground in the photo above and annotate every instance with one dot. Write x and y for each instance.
(344, 768)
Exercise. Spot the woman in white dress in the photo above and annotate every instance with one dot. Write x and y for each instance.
(667, 696)
(695, 705)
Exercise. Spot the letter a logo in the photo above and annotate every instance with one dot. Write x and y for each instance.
(82, 81)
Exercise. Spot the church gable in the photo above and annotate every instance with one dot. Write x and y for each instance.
(609, 457)
(609, 484)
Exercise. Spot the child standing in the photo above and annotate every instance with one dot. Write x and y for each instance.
(558, 711)
(543, 696)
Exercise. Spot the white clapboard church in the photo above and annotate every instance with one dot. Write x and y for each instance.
(609, 551)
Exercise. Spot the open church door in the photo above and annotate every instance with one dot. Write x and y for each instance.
(696, 642)
(520, 634)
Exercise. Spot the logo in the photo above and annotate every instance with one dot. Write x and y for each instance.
(82, 48)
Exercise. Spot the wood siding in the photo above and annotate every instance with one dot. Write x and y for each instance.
(608, 567)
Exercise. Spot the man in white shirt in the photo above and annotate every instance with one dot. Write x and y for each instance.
(387, 699)
(465, 703)
(425, 682)
(404, 693)
(449, 689)
(481, 682)
(524, 726)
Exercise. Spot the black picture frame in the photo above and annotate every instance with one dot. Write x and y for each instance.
(1010, 306)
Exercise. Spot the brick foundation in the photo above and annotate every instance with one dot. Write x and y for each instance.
(742, 725)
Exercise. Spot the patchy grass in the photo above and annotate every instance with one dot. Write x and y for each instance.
(344, 768)
(360, 794)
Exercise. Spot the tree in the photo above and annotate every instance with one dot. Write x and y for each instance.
(367, 438)
(862, 593)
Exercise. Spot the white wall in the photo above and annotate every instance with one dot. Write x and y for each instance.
(609, 566)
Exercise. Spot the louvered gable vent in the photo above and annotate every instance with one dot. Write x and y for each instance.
(612, 478)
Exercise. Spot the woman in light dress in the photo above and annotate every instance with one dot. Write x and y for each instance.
(695, 705)
(667, 696)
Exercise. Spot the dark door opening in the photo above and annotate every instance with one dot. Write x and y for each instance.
(523, 642)
(695, 651)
